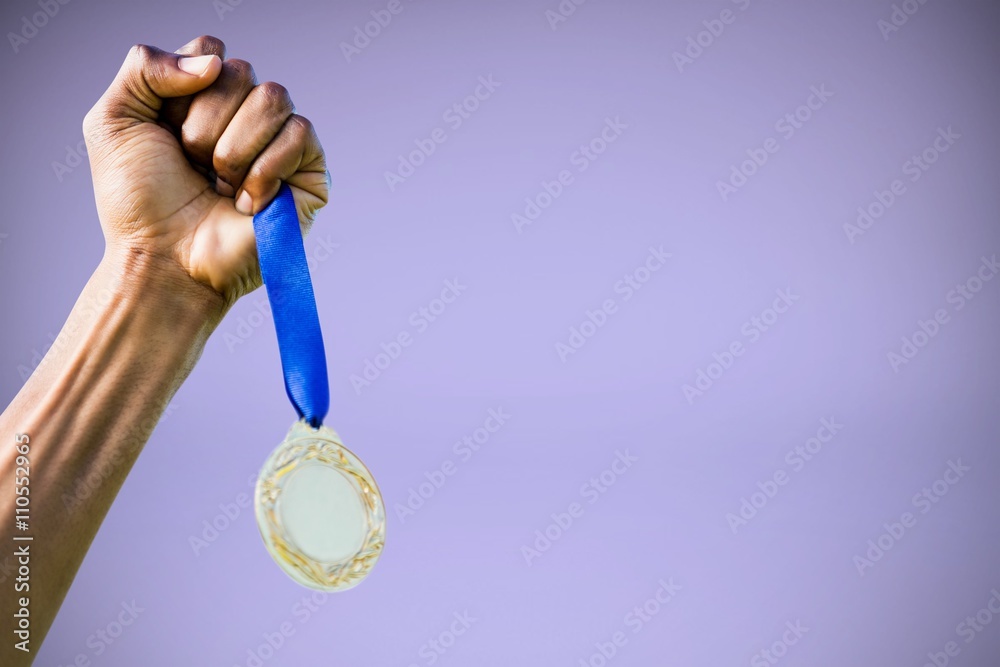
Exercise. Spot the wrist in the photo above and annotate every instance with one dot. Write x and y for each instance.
(160, 289)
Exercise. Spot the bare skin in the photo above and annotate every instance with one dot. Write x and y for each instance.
(184, 147)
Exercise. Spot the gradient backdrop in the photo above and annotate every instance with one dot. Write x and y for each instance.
(813, 560)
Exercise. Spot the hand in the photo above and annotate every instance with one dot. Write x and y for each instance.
(184, 148)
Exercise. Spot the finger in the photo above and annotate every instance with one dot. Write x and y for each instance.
(175, 109)
(147, 77)
(255, 124)
(212, 110)
(294, 156)
(203, 46)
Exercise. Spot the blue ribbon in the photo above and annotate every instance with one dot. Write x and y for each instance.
(293, 304)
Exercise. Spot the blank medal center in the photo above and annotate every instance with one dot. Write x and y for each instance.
(322, 513)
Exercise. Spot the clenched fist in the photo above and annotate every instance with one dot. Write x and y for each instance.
(184, 148)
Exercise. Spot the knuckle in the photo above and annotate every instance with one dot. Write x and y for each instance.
(239, 70)
(197, 141)
(275, 96)
(140, 54)
(226, 161)
(210, 44)
(300, 126)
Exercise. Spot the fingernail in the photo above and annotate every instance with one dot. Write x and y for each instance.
(223, 188)
(196, 65)
(244, 204)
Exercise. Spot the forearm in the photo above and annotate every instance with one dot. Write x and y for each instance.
(130, 341)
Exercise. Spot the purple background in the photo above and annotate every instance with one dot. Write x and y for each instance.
(666, 517)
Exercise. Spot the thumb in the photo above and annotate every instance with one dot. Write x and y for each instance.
(149, 75)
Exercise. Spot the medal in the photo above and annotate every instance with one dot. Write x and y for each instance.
(318, 507)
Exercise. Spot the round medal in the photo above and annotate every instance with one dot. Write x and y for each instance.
(319, 510)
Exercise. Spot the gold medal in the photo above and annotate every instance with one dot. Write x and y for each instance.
(319, 510)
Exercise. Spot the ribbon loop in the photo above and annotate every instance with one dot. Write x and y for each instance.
(289, 287)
